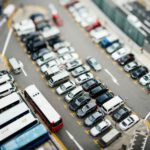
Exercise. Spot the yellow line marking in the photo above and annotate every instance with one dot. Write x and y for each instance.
(59, 141)
(72, 114)
(147, 123)
(79, 123)
(121, 69)
(37, 69)
(53, 90)
(135, 82)
(29, 56)
(87, 131)
(114, 62)
(65, 106)
(33, 62)
(95, 141)
(42, 76)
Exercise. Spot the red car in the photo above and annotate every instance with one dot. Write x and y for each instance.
(57, 20)
(93, 26)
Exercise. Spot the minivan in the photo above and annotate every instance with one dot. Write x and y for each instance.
(59, 78)
(112, 104)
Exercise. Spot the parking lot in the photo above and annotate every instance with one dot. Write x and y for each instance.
(112, 75)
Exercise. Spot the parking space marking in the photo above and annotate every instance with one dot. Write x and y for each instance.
(42, 76)
(37, 69)
(29, 56)
(72, 114)
(87, 131)
(79, 122)
(95, 141)
(53, 90)
(33, 62)
(65, 106)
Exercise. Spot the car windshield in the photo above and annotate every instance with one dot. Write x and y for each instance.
(63, 87)
(147, 78)
(91, 118)
(77, 102)
(70, 95)
(85, 108)
(98, 127)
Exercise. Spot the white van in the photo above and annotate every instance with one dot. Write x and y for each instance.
(112, 104)
(109, 138)
(6, 89)
(16, 68)
(59, 78)
(6, 78)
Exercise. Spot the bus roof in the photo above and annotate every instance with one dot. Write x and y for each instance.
(4, 78)
(5, 86)
(41, 102)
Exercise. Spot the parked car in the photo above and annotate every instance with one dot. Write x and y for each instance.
(139, 72)
(95, 92)
(93, 25)
(79, 102)
(64, 50)
(86, 109)
(119, 53)
(26, 38)
(128, 122)
(80, 70)
(101, 99)
(130, 66)
(73, 94)
(37, 17)
(65, 87)
(92, 62)
(121, 113)
(100, 128)
(83, 78)
(73, 64)
(40, 53)
(94, 118)
(61, 44)
(145, 79)
(126, 59)
(114, 47)
(90, 84)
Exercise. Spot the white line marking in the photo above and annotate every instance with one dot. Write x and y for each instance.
(147, 116)
(73, 139)
(21, 65)
(7, 41)
(113, 78)
(2, 22)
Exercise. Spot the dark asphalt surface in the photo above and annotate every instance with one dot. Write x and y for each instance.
(130, 90)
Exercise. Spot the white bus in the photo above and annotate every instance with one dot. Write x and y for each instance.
(13, 114)
(6, 78)
(44, 108)
(9, 101)
(17, 126)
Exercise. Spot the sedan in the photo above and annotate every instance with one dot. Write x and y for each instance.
(90, 84)
(73, 64)
(61, 45)
(130, 66)
(114, 47)
(128, 122)
(139, 72)
(80, 70)
(65, 87)
(100, 128)
(95, 92)
(79, 102)
(83, 78)
(121, 113)
(119, 53)
(86, 109)
(92, 62)
(100, 100)
(145, 79)
(94, 118)
(126, 59)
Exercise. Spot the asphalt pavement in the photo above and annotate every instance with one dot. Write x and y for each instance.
(130, 90)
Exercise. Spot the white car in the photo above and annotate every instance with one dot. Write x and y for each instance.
(75, 93)
(98, 34)
(65, 87)
(65, 50)
(101, 127)
(128, 122)
(61, 45)
(45, 58)
(83, 78)
(68, 57)
(118, 54)
(130, 66)
(50, 64)
(73, 64)
(145, 79)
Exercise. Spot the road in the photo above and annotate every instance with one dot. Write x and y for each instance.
(130, 90)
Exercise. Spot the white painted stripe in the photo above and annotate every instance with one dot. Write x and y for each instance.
(7, 41)
(113, 78)
(73, 139)
(21, 65)
(147, 116)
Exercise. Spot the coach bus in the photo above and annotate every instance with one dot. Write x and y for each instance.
(28, 139)
(17, 126)
(9, 101)
(13, 114)
(44, 108)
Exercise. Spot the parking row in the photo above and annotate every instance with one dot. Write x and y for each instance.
(87, 97)
(108, 41)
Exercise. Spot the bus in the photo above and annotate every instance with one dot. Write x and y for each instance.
(13, 113)
(28, 139)
(44, 108)
(17, 126)
(9, 101)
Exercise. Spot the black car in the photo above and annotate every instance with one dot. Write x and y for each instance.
(94, 118)
(139, 72)
(91, 84)
(53, 41)
(42, 25)
(37, 17)
(79, 102)
(101, 99)
(95, 92)
(86, 109)
(36, 55)
(29, 37)
(126, 59)
(121, 113)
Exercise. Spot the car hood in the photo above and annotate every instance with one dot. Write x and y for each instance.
(80, 112)
(94, 131)
(88, 122)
